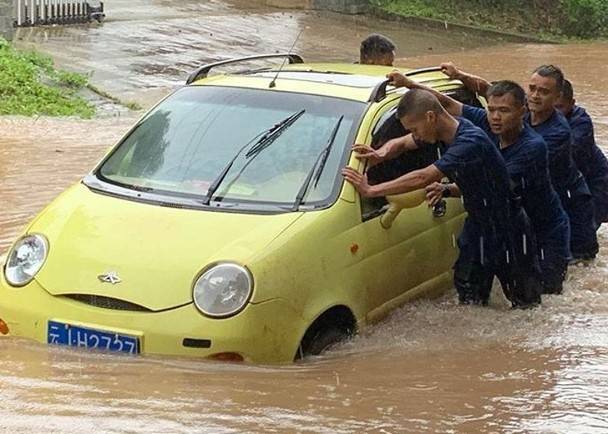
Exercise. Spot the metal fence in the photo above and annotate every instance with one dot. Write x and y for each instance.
(48, 12)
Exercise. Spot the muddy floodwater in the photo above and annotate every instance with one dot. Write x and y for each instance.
(432, 366)
(145, 46)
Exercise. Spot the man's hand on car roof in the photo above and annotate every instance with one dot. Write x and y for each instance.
(398, 79)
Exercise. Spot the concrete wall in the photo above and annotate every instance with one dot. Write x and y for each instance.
(342, 6)
(7, 9)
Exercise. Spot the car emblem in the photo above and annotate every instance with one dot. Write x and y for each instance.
(110, 277)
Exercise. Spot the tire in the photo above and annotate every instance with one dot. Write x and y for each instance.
(323, 340)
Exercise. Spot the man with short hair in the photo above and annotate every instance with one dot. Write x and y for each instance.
(525, 154)
(493, 230)
(377, 49)
(543, 91)
(589, 158)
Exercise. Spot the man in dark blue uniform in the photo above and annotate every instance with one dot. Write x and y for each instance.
(495, 240)
(525, 154)
(544, 90)
(589, 158)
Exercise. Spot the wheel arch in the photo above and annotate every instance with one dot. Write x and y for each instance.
(339, 315)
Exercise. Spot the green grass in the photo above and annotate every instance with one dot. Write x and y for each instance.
(30, 85)
(131, 105)
(542, 18)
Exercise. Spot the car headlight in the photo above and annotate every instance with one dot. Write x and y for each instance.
(223, 290)
(25, 259)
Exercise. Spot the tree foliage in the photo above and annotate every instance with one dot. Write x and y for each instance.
(584, 18)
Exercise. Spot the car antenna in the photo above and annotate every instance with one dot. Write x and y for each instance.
(273, 83)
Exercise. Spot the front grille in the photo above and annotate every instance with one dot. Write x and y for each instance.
(108, 302)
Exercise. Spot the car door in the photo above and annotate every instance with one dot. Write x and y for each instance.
(415, 255)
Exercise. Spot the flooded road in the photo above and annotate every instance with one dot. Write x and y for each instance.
(431, 367)
(149, 45)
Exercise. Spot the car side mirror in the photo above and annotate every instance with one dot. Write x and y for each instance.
(399, 202)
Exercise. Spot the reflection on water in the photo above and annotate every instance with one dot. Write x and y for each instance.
(39, 158)
(432, 366)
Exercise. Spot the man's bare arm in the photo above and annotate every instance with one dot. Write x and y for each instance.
(472, 82)
(435, 192)
(390, 150)
(395, 147)
(452, 106)
(454, 190)
(411, 181)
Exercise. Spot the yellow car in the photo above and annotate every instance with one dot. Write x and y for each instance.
(220, 225)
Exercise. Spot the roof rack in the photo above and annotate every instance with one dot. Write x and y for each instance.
(379, 92)
(204, 70)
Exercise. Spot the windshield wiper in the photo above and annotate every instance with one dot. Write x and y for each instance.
(320, 161)
(273, 134)
(265, 139)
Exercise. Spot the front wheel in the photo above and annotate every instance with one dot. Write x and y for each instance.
(320, 341)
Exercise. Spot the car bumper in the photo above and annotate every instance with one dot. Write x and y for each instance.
(266, 332)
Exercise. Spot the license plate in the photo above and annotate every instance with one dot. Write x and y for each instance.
(76, 336)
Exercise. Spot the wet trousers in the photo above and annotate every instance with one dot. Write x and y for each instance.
(583, 237)
(510, 255)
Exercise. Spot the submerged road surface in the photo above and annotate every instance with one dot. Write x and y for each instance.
(144, 45)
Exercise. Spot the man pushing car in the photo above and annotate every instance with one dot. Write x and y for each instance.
(496, 239)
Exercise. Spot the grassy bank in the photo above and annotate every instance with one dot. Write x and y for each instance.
(549, 18)
(30, 85)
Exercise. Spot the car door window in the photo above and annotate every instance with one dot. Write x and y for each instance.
(389, 127)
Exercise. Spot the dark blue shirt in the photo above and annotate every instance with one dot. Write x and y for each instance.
(565, 176)
(589, 158)
(527, 164)
(476, 166)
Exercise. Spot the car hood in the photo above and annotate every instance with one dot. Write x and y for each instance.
(157, 252)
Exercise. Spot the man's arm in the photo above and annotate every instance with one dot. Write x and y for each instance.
(559, 143)
(583, 140)
(390, 150)
(411, 181)
(437, 191)
(450, 104)
(472, 82)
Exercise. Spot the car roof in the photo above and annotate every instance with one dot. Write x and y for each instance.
(341, 80)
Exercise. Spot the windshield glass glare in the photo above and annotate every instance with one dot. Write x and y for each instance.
(184, 144)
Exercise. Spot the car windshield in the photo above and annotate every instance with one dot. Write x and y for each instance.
(205, 134)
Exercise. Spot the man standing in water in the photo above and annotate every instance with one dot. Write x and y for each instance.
(493, 241)
(544, 90)
(525, 154)
(589, 158)
(377, 49)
